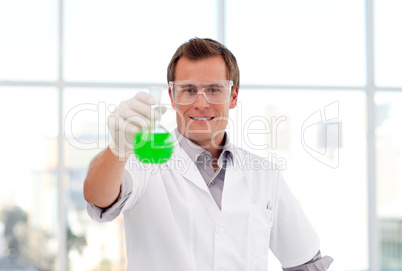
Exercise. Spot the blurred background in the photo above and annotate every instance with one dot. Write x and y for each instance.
(320, 95)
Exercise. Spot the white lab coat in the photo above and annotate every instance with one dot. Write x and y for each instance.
(173, 223)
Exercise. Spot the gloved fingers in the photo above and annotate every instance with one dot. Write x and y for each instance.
(149, 100)
(113, 122)
(135, 107)
(130, 125)
(137, 113)
(133, 124)
(127, 127)
(141, 109)
(145, 98)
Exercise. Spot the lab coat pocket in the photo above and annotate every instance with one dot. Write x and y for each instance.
(260, 226)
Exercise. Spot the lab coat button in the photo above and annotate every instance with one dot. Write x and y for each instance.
(221, 232)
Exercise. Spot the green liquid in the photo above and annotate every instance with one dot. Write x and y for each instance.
(153, 148)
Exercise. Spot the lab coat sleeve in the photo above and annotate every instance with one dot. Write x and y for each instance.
(318, 263)
(293, 240)
(134, 183)
(108, 214)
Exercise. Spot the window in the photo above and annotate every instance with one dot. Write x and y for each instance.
(28, 195)
(28, 40)
(304, 102)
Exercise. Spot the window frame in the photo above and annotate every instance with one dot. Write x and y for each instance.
(370, 89)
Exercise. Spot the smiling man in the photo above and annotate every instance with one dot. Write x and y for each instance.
(200, 117)
(213, 211)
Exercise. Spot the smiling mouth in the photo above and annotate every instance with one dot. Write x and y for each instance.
(202, 119)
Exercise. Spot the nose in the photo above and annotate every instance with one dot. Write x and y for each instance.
(201, 101)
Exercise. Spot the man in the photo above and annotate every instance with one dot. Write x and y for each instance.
(205, 209)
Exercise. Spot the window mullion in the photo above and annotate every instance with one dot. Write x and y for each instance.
(371, 165)
(61, 190)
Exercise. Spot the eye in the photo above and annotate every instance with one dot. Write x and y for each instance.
(190, 90)
(214, 90)
(187, 90)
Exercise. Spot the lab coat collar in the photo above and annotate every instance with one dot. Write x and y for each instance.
(194, 151)
(182, 164)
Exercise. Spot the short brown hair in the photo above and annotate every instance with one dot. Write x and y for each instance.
(197, 49)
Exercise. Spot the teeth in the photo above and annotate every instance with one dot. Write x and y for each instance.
(194, 118)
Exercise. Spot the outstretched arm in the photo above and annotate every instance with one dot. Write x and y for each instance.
(105, 173)
(103, 181)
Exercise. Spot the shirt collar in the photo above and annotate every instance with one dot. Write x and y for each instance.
(194, 151)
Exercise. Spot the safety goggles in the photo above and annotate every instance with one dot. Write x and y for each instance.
(187, 92)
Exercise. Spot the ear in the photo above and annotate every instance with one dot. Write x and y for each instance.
(233, 98)
(171, 99)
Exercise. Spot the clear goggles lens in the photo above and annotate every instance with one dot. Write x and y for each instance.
(187, 92)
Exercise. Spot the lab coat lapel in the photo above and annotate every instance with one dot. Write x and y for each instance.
(181, 165)
(235, 188)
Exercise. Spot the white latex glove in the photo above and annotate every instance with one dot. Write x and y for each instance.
(128, 119)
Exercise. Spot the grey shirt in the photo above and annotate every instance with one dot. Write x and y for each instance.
(203, 160)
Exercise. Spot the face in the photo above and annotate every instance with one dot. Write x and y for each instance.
(202, 122)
